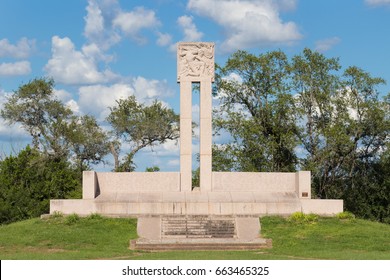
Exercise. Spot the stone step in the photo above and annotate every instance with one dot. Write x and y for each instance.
(200, 245)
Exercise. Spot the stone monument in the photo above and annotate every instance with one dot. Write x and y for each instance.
(228, 203)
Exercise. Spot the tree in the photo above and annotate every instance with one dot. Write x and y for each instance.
(88, 141)
(45, 118)
(141, 126)
(336, 123)
(364, 171)
(55, 130)
(314, 81)
(29, 180)
(257, 111)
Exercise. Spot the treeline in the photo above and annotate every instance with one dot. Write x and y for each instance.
(305, 113)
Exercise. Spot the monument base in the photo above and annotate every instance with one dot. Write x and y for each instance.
(225, 218)
(239, 193)
(196, 203)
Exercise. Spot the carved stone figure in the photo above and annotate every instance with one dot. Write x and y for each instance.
(195, 61)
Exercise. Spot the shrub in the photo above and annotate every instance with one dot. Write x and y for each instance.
(72, 219)
(301, 218)
(29, 180)
(95, 216)
(57, 215)
(345, 216)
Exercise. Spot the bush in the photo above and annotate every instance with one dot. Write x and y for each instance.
(72, 219)
(301, 218)
(29, 180)
(57, 215)
(95, 216)
(345, 216)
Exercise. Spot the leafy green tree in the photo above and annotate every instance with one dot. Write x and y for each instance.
(334, 112)
(257, 111)
(314, 81)
(45, 118)
(55, 130)
(141, 126)
(336, 123)
(88, 141)
(365, 169)
(29, 180)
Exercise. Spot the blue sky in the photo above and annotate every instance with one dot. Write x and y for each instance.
(100, 50)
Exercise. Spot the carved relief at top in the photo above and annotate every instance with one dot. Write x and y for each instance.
(195, 61)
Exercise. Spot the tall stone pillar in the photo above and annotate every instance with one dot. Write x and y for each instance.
(205, 135)
(195, 63)
(185, 135)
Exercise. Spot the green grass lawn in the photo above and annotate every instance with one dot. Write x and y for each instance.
(105, 238)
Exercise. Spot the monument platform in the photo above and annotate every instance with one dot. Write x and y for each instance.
(229, 203)
(139, 194)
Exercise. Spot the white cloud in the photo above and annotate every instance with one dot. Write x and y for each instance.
(22, 49)
(377, 2)
(96, 100)
(94, 52)
(15, 69)
(171, 146)
(191, 33)
(131, 23)
(67, 98)
(249, 23)
(98, 23)
(69, 66)
(10, 133)
(167, 149)
(94, 21)
(106, 23)
(147, 90)
(326, 44)
(73, 105)
(62, 95)
(163, 39)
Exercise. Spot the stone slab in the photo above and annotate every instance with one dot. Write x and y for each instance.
(125, 182)
(149, 228)
(326, 207)
(248, 228)
(71, 206)
(90, 185)
(199, 203)
(253, 181)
